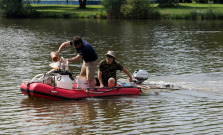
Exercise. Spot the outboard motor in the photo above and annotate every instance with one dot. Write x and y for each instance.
(140, 76)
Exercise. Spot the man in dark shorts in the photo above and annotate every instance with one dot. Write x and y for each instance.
(87, 53)
(107, 70)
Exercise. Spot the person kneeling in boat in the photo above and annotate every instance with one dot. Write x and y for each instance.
(107, 70)
(87, 53)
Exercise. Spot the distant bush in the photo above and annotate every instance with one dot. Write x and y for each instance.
(129, 9)
(17, 8)
(113, 8)
(135, 9)
(168, 3)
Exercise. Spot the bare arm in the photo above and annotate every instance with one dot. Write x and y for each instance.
(127, 73)
(62, 46)
(74, 59)
(100, 78)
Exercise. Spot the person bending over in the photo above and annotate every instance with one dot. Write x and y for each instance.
(85, 52)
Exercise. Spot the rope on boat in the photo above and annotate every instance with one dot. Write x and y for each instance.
(94, 90)
(27, 89)
(99, 92)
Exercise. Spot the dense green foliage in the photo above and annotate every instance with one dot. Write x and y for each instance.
(168, 3)
(130, 9)
(137, 9)
(113, 8)
(183, 11)
(17, 8)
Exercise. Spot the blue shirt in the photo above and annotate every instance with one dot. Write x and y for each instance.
(87, 51)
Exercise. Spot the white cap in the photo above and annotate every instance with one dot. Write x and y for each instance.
(111, 53)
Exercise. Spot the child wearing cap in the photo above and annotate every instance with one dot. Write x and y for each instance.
(107, 70)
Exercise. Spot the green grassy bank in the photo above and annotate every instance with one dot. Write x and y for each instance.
(69, 11)
(184, 11)
(192, 11)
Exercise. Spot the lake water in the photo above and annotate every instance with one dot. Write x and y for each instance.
(188, 54)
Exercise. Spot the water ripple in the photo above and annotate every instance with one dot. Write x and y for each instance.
(185, 53)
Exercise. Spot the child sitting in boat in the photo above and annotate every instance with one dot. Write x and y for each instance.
(107, 70)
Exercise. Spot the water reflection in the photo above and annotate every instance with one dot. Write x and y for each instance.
(170, 111)
(89, 113)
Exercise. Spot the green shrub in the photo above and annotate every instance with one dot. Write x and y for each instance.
(17, 8)
(113, 8)
(130, 9)
(136, 9)
(168, 3)
(101, 14)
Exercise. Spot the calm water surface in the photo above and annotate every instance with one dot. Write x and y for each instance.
(184, 53)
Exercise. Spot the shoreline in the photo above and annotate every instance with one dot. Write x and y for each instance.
(184, 11)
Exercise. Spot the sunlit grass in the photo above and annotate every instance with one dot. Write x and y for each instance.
(56, 10)
(188, 10)
(184, 11)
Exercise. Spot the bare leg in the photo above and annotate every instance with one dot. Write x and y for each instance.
(83, 70)
(111, 82)
(92, 83)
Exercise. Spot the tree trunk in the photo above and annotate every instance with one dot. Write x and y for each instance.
(82, 3)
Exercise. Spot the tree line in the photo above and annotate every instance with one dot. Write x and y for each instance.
(23, 8)
(129, 9)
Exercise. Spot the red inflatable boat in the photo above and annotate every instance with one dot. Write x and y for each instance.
(58, 84)
(41, 90)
